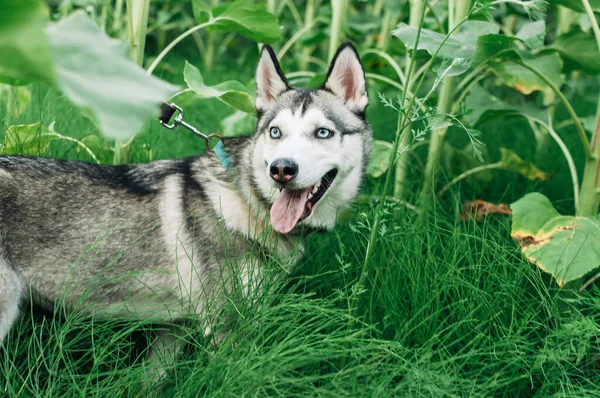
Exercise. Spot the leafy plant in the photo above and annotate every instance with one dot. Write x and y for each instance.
(564, 246)
(25, 55)
(520, 77)
(100, 78)
(232, 93)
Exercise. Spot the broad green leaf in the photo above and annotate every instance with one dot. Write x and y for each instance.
(26, 139)
(238, 124)
(530, 213)
(232, 93)
(201, 10)
(102, 79)
(380, 158)
(492, 46)
(510, 161)
(577, 5)
(17, 99)
(483, 102)
(525, 81)
(486, 106)
(564, 246)
(458, 50)
(24, 53)
(578, 49)
(248, 19)
(589, 122)
(533, 34)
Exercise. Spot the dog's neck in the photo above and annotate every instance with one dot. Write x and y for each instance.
(237, 200)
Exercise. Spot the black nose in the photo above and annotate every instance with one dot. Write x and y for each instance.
(283, 170)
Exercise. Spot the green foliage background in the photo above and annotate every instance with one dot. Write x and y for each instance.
(448, 308)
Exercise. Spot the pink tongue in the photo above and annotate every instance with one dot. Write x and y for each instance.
(287, 210)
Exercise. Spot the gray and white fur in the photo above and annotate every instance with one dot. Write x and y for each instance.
(139, 241)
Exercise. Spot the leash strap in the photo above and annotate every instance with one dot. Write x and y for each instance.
(167, 111)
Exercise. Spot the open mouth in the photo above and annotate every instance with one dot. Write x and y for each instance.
(293, 206)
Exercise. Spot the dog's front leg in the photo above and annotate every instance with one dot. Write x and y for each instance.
(11, 295)
(162, 356)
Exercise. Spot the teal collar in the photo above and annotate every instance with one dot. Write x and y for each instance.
(222, 155)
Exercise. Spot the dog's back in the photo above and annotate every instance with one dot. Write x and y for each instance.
(103, 237)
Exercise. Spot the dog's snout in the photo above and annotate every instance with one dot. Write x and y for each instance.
(283, 170)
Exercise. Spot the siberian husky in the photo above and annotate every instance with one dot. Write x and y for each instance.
(140, 240)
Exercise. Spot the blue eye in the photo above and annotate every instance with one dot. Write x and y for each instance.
(275, 133)
(323, 133)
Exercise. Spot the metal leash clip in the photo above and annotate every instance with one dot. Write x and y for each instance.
(166, 113)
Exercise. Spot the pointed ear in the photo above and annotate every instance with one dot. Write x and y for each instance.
(270, 81)
(346, 79)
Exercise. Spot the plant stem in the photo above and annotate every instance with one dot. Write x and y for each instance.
(118, 18)
(294, 11)
(104, 15)
(596, 29)
(445, 103)
(295, 38)
(308, 21)
(137, 21)
(468, 173)
(565, 150)
(391, 61)
(451, 13)
(596, 133)
(417, 8)
(403, 124)
(199, 44)
(398, 187)
(460, 10)
(590, 186)
(209, 54)
(542, 144)
(565, 19)
(179, 38)
(589, 196)
(590, 13)
(391, 82)
(376, 13)
(389, 21)
(377, 7)
(337, 25)
(137, 12)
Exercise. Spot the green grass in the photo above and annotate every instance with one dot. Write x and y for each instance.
(450, 309)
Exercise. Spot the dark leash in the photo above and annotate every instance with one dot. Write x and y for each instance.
(167, 111)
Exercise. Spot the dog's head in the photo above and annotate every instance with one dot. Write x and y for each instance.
(311, 146)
